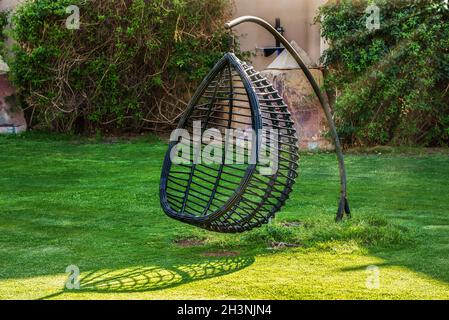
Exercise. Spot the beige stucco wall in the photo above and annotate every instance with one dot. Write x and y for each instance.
(297, 18)
(8, 4)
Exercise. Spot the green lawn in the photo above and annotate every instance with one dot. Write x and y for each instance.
(96, 205)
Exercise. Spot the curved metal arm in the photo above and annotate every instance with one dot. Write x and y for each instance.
(343, 205)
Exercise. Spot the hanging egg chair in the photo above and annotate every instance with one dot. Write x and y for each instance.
(226, 195)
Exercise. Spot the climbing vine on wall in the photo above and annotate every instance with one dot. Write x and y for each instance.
(132, 64)
(3, 24)
(392, 82)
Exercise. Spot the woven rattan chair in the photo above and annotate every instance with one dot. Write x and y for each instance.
(233, 197)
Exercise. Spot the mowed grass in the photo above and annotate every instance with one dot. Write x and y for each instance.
(95, 204)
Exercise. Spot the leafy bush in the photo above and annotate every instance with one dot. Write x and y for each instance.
(130, 66)
(392, 83)
(3, 24)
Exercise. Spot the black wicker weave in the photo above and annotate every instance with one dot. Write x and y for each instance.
(230, 197)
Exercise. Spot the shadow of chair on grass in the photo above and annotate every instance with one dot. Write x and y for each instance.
(153, 278)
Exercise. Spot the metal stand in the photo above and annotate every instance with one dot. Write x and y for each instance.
(343, 206)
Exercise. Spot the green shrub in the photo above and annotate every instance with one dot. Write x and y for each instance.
(132, 65)
(392, 83)
(3, 24)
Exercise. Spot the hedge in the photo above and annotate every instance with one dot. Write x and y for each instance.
(392, 83)
(131, 66)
